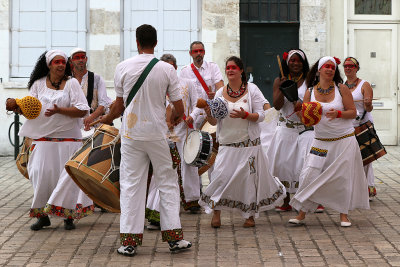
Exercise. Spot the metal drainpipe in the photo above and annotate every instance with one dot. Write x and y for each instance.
(16, 136)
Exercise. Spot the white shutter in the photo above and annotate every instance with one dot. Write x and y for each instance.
(37, 26)
(175, 21)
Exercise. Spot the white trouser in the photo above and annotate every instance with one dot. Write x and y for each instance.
(369, 172)
(190, 177)
(135, 159)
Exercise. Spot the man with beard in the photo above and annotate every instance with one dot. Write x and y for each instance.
(92, 84)
(206, 76)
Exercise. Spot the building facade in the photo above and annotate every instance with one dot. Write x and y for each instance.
(257, 30)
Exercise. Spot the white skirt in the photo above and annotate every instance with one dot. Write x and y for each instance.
(241, 181)
(65, 199)
(333, 176)
(287, 152)
(268, 127)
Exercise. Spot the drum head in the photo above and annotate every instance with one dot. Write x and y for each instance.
(207, 127)
(191, 147)
(87, 134)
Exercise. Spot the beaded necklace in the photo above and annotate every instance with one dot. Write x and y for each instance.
(238, 93)
(56, 84)
(325, 91)
(295, 79)
(352, 85)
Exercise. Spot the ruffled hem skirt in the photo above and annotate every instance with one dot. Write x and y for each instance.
(242, 181)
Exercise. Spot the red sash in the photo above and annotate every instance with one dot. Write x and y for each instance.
(203, 83)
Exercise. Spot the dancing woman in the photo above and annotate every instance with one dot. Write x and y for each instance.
(241, 179)
(56, 136)
(362, 95)
(332, 174)
(292, 139)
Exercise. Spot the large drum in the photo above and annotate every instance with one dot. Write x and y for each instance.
(370, 145)
(23, 157)
(197, 148)
(212, 130)
(95, 167)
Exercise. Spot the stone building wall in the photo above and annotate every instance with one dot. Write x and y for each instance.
(220, 30)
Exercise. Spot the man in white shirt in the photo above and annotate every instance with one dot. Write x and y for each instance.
(143, 139)
(92, 84)
(209, 72)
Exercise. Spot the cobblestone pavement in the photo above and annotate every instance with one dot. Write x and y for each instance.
(372, 240)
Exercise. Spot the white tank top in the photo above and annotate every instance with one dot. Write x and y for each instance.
(358, 97)
(332, 128)
(234, 130)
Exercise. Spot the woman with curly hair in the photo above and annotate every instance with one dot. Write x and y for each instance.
(333, 174)
(241, 179)
(56, 136)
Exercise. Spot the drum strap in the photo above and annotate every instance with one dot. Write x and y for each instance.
(140, 81)
(201, 80)
(89, 96)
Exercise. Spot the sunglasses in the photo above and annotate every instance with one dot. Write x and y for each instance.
(58, 62)
(329, 66)
(232, 67)
(349, 66)
(78, 57)
(197, 51)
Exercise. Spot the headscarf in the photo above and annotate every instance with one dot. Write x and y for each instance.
(352, 59)
(52, 54)
(292, 52)
(323, 60)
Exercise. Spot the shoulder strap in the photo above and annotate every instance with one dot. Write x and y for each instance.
(89, 96)
(140, 81)
(203, 83)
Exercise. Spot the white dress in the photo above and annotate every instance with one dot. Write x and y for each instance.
(358, 97)
(56, 138)
(332, 175)
(241, 179)
(289, 145)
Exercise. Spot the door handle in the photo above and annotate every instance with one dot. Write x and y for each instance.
(373, 85)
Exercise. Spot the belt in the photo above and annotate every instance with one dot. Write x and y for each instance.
(246, 143)
(335, 139)
(49, 139)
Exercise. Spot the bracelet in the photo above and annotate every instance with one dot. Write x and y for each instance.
(339, 114)
(245, 116)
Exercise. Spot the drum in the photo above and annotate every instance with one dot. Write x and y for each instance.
(197, 148)
(212, 130)
(95, 167)
(87, 134)
(23, 157)
(289, 90)
(370, 146)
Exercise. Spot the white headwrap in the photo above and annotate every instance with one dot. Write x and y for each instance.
(292, 52)
(52, 54)
(323, 60)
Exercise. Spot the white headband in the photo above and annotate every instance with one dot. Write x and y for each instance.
(292, 52)
(52, 54)
(323, 60)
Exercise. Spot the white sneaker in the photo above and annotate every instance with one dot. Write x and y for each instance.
(179, 245)
(127, 251)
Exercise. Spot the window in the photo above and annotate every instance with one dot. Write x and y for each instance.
(176, 22)
(269, 11)
(37, 26)
(373, 7)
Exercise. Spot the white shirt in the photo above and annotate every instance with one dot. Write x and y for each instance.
(57, 125)
(256, 102)
(211, 75)
(100, 97)
(144, 118)
(358, 98)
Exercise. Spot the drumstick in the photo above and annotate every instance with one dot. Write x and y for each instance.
(95, 122)
(280, 65)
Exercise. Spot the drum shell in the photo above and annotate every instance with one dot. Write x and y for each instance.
(204, 150)
(370, 146)
(95, 167)
(23, 157)
(289, 90)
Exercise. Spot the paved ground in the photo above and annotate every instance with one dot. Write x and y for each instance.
(372, 240)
